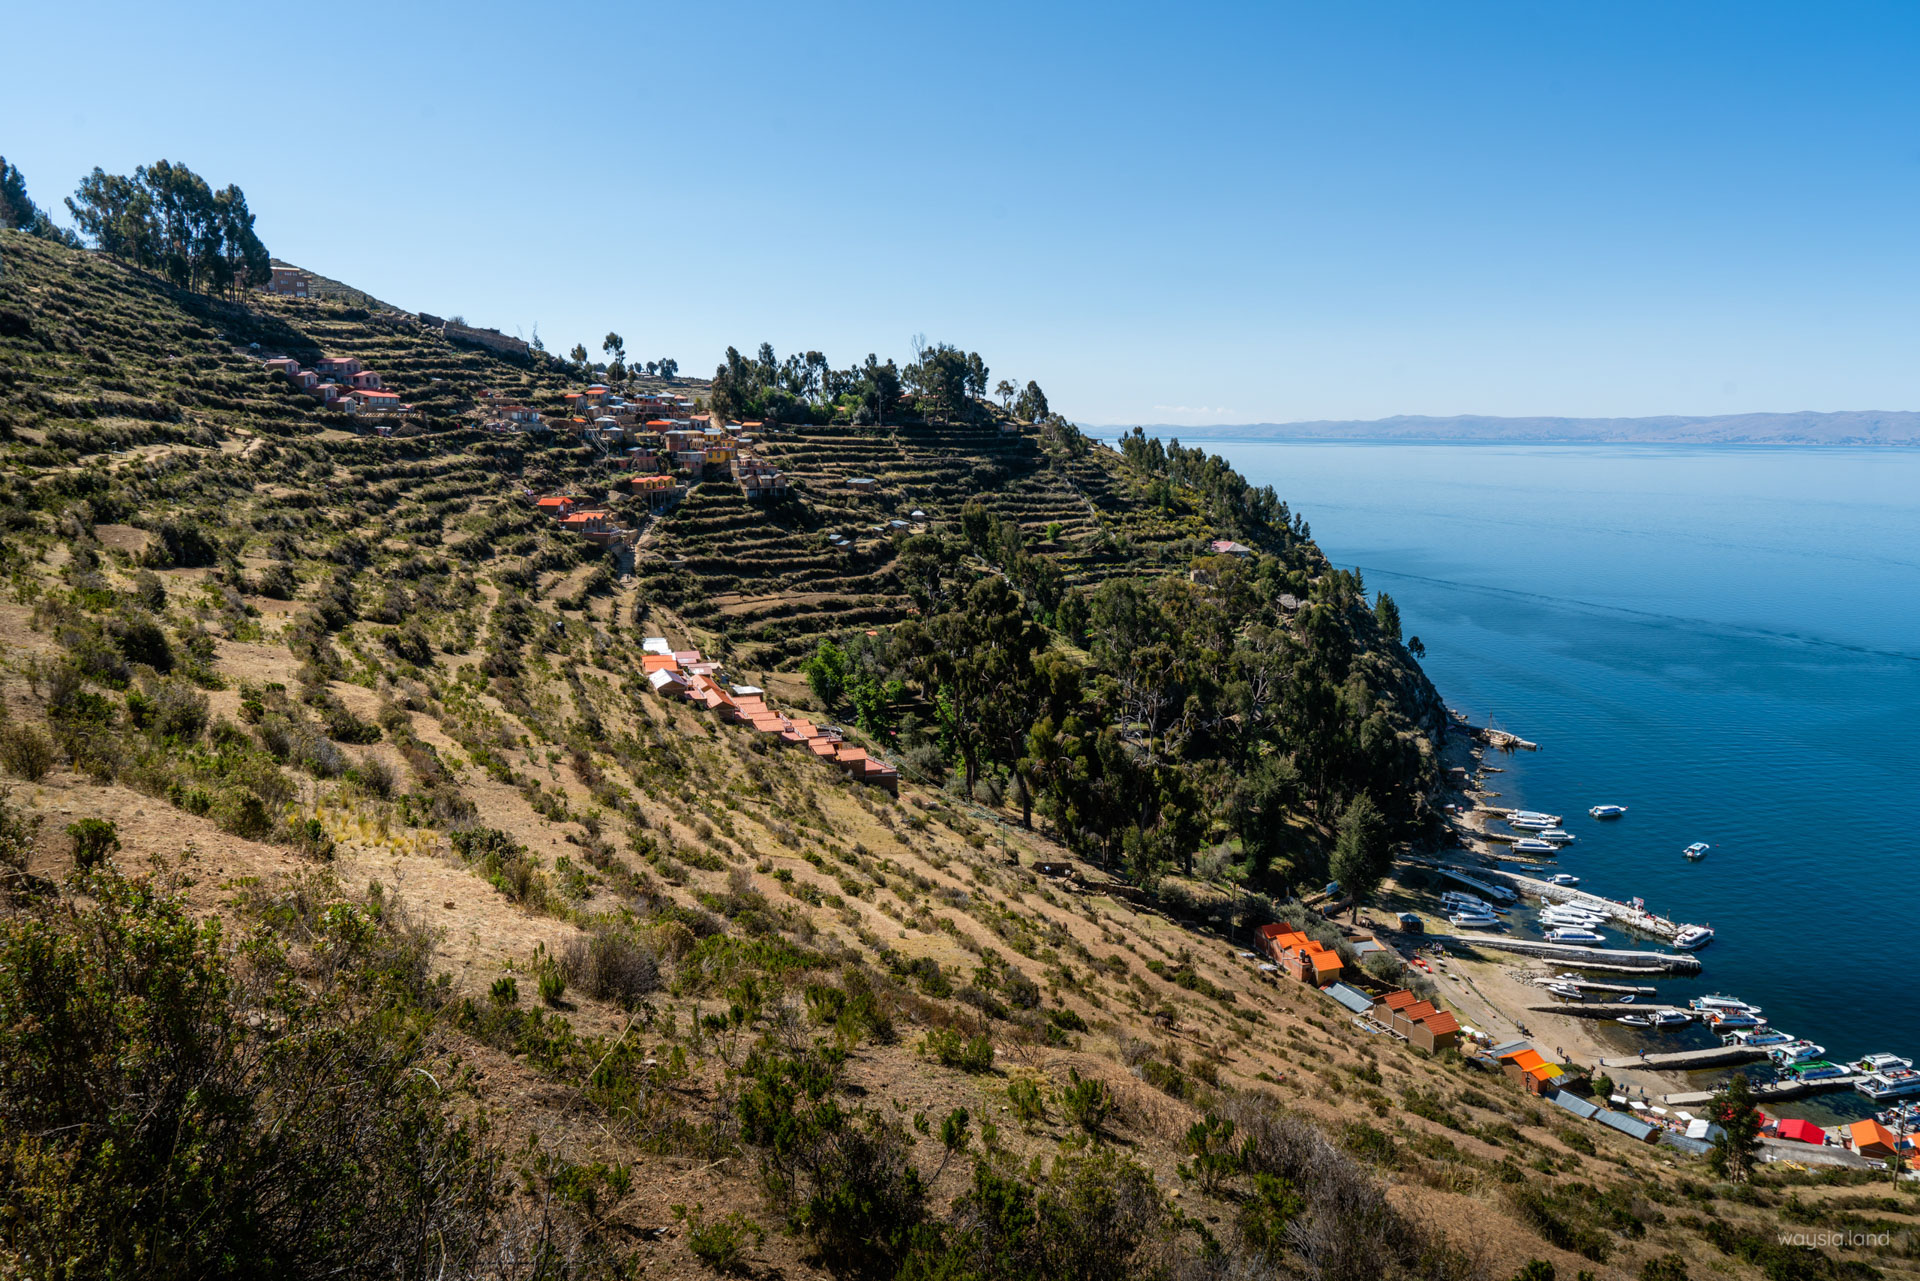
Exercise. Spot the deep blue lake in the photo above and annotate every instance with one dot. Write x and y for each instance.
(1724, 639)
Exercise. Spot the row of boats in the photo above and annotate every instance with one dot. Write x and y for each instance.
(1878, 1076)
(1560, 922)
(1546, 837)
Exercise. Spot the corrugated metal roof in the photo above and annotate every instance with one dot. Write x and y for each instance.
(1575, 1104)
(1351, 997)
(1691, 1146)
(1631, 1125)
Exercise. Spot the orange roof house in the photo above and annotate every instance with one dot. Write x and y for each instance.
(1437, 1031)
(1870, 1138)
(1307, 959)
(651, 663)
(1531, 1070)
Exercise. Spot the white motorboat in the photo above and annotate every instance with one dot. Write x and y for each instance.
(1567, 990)
(1607, 811)
(1728, 1020)
(1880, 1063)
(1571, 916)
(1558, 835)
(1529, 824)
(1635, 1020)
(1670, 1019)
(1534, 845)
(1574, 934)
(1795, 1052)
(1895, 1081)
(1533, 816)
(1715, 1001)
(1760, 1038)
(1697, 850)
(1563, 878)
(1474, 921)
(1692, 938)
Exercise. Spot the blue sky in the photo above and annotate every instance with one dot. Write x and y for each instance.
(1173, 214)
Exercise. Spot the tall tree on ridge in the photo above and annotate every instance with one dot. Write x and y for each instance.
(1362, 852)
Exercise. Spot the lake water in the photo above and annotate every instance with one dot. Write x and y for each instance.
(1724, 639)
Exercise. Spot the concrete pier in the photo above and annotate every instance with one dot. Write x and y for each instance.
(1580, 957)
(1689, 1060)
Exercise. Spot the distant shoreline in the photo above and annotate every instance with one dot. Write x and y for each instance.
(1849, 429)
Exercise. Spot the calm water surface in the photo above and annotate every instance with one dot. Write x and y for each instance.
(1724, 639)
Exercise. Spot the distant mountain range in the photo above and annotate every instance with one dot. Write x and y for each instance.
(1848, 427)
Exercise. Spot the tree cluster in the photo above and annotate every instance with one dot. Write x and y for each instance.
(19, 213)
(942, 384)
(1241, 510)
(1250, 704)
(167, 218)
(803, 388)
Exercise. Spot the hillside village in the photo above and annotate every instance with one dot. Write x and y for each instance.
(443, 670)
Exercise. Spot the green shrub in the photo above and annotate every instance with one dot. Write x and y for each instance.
(26, 751)
(553, 985)
(1665, 1267)
(947, 1047)
(93, 840)
(1025, 1098)
(305, 1141)
(505, 991)
(719, 1243)
(241, 812)
(611, 965)
(1086, 1102)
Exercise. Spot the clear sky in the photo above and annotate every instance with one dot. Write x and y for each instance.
(1165, 214)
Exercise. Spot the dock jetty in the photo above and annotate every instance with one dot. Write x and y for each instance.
(1625, 915)
(1606, 1010)
(1580, 957)
(1587, 985)
(1689, 1060)
(1773, 1091)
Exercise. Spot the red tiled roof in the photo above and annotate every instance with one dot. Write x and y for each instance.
(1441, 1022)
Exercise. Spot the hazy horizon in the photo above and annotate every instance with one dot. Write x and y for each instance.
(1805, 427)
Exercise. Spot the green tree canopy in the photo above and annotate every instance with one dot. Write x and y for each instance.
(1362, 851)
(19, 213)
(167, 218)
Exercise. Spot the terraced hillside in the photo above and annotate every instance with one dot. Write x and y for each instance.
(570, 980)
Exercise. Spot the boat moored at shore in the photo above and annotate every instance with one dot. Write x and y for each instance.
(1888, 1076)
(1693, 937)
